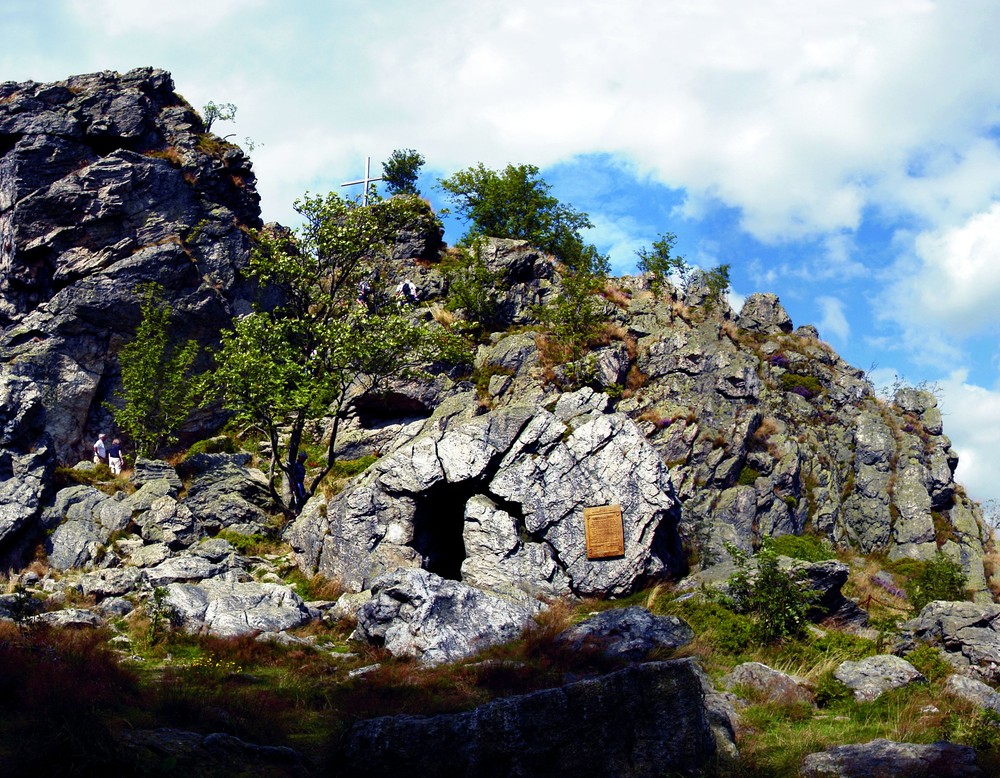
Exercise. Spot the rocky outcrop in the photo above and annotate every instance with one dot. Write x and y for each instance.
(771, 685)
(968, 633)
(873, 676)
(108, 182)
(627, 633)
(497, 501)
(646, 720)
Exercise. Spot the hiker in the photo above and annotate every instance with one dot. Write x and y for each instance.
(100, 450)
(115, 456)
(407, 291)
(299, 479)
(364, 293)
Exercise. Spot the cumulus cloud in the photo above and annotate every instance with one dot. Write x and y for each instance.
(951, 281)
(972, 421)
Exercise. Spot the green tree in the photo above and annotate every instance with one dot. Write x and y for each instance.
(158, 388)
(661, 263)
(217, 112)
(516, 203)
(321, 350)
(716, 283)
(939, 578)
(400, 171)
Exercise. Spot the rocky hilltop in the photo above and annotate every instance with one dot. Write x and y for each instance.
(107, 182)
(711, 429)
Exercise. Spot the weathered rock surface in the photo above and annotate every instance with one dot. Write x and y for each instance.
(497, 500)
(887, 759)
(973, 691)
(229, 608)
(771, 684)
(415, 613)
(873, 676)
(966, 631)
(646, 720)
(627, 633)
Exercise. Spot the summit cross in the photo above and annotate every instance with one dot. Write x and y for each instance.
(367, 180)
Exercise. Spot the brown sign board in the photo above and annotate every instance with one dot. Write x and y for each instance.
(605, 531)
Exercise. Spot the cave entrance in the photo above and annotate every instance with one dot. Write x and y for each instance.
(438, 524)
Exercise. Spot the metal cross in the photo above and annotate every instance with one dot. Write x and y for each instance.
(367, 180)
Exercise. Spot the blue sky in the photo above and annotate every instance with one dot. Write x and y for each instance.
(844, 154)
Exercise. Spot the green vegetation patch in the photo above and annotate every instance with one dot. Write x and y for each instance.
(806, 547)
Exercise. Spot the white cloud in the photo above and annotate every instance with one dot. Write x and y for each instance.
(950, 282)
(834, 321)
(972, 421)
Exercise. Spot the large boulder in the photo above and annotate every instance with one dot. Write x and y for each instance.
(888, 759)
(968, 633)
(873, 676)
(627, 633)
(497, 501)
(645, 720)
(419, 614)
(230, 608)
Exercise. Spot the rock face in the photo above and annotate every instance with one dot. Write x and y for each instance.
(873, 676)
(497, 501)
(574, 730)
(968, 633)
(107, 182)
(627, 633)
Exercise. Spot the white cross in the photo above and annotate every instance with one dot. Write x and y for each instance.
(367, 180)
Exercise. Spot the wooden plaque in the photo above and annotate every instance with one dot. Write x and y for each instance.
(605, 531)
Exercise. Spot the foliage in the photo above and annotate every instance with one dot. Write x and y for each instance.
(323, 349)
(748, 476)
(158, 388)
(576, 315)
(929, 662)
(348, 468)
(806, 386)
(807, 547)
(716, 283)
(218, 445)
(400, 171)
(515, 203)
(829, 691)
(473, 287)
(729, 632)
(217, 112)
(661, 264)
(940, 578)
(776, 600)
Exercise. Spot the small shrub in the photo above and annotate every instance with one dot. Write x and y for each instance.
(829, 691)
(940, 578)
(807, 547)
(929, 662)
(776, 600)
(348, 468)
(748, 476)
(806, 386)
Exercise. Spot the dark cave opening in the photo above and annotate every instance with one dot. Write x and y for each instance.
(438, 524)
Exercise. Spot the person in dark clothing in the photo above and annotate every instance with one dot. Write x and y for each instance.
(299, 480)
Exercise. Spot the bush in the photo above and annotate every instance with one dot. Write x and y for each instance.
(829, 691)
(776, 600)
(929, 662)
(806, 547)
(748, 476)
(806, 386)
(940, 578)
(218, 445)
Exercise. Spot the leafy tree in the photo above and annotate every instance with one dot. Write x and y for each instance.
(400, 171)
(321, 349)
(221, 112)
(660, 263)
(716, 283)
(158, 387)
(516, 203)
(473, 287)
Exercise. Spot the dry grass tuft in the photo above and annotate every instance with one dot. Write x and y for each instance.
(443, 317)
(616, 295)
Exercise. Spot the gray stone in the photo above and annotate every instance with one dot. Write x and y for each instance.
(973, 691)
(416, 613)
(646, 720)
(232, 608)
(73, 618)
(183, 569)
(764, 313)
(772, 685)
(627, 633)
(966, 631)
(888, 759)
(873, 676)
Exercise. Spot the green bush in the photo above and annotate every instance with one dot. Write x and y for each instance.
(730, 632)
(806, 547)
(929, 662)
(776, 600)
(217, 445)
(748, 476)
(940, 578)
(806, 386)
(829, 691)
